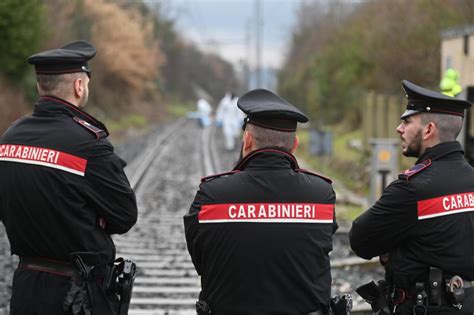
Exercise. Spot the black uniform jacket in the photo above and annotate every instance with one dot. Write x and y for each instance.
(59, 178)
(425, 218)
(260, 235)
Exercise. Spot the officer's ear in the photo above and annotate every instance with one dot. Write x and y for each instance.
(79, 87)
(296, 143)
(247, 141)
(430, 130)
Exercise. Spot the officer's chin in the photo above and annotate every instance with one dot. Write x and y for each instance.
(404, 149)
(410, 153)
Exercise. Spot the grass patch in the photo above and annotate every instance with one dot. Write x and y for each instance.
(176, 110)
(341, 147)
(131, 121)
(346, 164)
(348, 213)
(136, 124)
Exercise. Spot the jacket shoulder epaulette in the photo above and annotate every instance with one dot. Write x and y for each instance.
(211, 177)
(327, 179)
(98, 133)
(406, 175)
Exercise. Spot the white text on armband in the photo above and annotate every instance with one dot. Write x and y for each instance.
(44, 157)
(445, 205)
(267, 213)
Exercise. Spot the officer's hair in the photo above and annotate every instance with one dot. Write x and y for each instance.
(56, 84)
(264, 137)
(449, 126)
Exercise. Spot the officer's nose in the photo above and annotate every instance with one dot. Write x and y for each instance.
(399, 128)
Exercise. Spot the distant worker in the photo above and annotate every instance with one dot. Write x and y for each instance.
(422, 227)
(449, 84)
(204, 110)
(238, 117)
(260, 235)
(230, 117)
(63, 193)
(222, 108)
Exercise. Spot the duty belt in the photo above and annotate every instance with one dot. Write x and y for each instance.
(437, 292)
(56, 267)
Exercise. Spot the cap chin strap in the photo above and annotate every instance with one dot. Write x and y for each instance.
(248, 121)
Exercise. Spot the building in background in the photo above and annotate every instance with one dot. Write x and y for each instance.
(457, 52)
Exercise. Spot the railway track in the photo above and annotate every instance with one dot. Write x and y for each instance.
(349, 271)
(166, 281)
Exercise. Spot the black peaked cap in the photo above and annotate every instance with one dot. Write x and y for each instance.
(424, 100)
(70, 58)
(267, 110)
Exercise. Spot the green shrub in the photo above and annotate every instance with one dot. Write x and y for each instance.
(21, 32)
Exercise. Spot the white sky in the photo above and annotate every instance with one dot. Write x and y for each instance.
(224, 27)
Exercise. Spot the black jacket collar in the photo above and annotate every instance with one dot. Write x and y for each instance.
(442, 150)
(267, 158)
(51, 106)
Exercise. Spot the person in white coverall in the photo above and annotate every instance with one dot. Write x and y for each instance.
(230, 118)
(222, 108)
(204, 109)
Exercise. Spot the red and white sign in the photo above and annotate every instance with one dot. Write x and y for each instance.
(43, 156)
(445, 205)
(267, 213)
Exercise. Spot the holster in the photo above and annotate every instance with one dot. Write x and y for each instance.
(376, 295)
(119, 280)
(435, 287)
(78, 299)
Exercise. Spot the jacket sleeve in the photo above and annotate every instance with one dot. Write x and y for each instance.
(109, 192)
(387, 223)
(191, 229)
(332, 198)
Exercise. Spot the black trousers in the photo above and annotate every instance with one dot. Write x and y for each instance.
(41, 293)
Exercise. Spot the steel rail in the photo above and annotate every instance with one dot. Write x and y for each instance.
(210, 159)
(153, 152)
(213, 150)
(167, 282)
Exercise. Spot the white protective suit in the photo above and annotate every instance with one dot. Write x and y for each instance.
(204, 109)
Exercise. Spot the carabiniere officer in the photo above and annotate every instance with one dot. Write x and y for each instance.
(260, 235)
(422, 227)
(63, 192)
